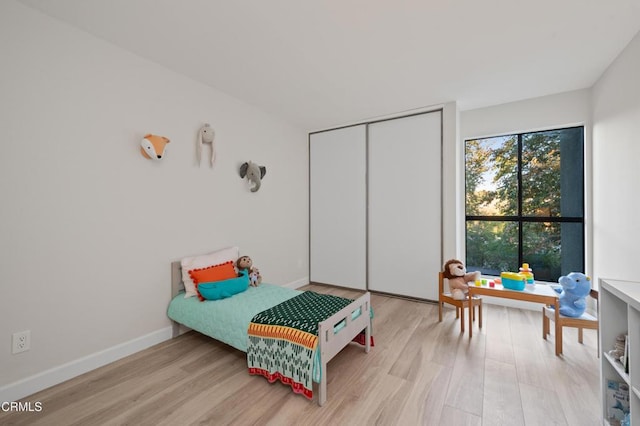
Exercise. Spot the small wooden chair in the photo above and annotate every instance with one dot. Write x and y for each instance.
(587, 321)
(445, 297)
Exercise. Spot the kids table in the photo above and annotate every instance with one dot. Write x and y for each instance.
(541, 293)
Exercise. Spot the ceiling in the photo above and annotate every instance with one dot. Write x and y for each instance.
(319, 64)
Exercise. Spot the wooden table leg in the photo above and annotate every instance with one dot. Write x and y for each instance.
(558, 328)
(470, 316)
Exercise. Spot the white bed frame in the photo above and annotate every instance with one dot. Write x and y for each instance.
(329, 343)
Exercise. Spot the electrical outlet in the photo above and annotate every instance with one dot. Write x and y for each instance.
(21, 341)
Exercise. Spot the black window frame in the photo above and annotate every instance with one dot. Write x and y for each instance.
(519, 217)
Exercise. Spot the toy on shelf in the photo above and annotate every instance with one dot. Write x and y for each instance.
(620, 349)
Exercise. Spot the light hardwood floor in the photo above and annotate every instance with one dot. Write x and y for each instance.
(420, 372)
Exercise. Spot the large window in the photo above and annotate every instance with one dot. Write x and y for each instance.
(525, 203)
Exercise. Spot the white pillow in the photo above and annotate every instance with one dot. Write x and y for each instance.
(202, 261)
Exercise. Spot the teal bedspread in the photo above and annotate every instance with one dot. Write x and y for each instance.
(227, 320)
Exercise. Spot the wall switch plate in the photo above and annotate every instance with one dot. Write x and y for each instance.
(21, 341)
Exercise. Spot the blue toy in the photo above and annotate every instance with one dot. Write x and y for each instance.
(575, 288)
(226, 288)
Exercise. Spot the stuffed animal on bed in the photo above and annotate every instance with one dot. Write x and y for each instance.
(245, 263)
(575, 288)
(458, 277)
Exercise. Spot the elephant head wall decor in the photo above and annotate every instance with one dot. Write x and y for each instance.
(253, 173)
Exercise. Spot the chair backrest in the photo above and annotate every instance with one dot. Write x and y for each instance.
(440, 282)
(594, 295)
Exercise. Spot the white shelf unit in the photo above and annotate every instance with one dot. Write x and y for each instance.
(620, 314)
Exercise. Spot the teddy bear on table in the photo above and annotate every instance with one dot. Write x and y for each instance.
(458, 277)
(576, 286)
(245, 262)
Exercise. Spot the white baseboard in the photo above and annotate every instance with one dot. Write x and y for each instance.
(30, 385)
(297, 283)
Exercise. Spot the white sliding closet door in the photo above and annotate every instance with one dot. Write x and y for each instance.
(337, 186)
(404, 226)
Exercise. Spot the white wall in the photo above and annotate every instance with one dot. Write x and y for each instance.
(616, 166)
(451, 172)
(547, 112)
(88, 226)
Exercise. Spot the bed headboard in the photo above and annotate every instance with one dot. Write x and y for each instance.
(176, 278)
(176, 287)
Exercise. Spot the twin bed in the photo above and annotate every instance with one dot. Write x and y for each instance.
(229, 320)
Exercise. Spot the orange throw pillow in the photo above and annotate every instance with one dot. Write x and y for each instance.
(220, 272)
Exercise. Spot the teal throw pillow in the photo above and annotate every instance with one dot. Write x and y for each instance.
(226, 288)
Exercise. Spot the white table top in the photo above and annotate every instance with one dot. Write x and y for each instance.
(539, 289)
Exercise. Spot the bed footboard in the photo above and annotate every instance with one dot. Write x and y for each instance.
(330, 343)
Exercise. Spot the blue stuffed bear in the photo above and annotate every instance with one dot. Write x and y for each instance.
(575, 288)
(226, 288)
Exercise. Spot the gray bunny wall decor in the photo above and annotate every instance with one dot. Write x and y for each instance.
(206, 136)
(253, 173)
